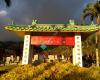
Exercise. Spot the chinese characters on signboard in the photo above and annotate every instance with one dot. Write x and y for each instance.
(53, 40)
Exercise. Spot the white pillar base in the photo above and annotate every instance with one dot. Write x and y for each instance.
(78, 50)
(26, 50)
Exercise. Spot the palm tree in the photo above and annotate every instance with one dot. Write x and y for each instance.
(93, 10)
(89, 11)
(8, 3)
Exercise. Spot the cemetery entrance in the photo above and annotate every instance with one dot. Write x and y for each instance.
(48, 38)
(54, 34)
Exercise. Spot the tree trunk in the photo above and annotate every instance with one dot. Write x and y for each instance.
(98, 20)
(97, 54)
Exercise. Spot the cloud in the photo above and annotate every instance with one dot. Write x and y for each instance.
(46, 11)
(3, 13)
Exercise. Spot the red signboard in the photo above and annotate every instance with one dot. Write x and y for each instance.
(47, 40)
(53, 40)
(70, 40)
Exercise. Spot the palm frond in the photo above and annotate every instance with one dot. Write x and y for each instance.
(8, 3)
(97, 6)
(90, 13)
(90, 10)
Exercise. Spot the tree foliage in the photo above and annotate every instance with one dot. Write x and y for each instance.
(92, 10)
(8, 3)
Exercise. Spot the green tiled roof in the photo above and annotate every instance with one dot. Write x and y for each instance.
(53, 27)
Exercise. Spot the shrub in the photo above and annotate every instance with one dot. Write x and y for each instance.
(52, 71)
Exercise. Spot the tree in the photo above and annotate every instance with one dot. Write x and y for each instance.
(8, 3)
(93, 10)
(97, 7)
(89, 10)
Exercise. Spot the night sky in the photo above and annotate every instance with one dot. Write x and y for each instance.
(46, 11)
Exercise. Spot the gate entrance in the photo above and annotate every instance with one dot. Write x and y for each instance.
(68, 35)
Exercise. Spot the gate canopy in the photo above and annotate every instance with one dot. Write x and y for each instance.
(54, 29)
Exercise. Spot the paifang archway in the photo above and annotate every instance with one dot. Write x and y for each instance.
(54, 34)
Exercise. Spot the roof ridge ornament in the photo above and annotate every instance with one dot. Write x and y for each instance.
(71, 22)
(34, 22)
(92, 23)
(13, 23)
